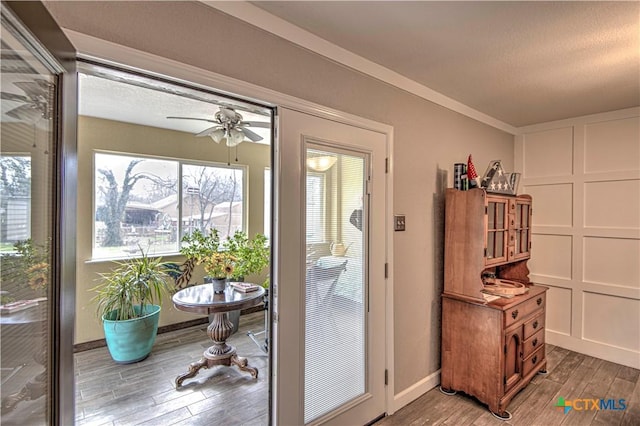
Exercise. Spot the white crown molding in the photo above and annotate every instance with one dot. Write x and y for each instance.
(585, 119)
(257, 17)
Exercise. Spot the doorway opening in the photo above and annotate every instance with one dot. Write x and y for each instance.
(163, 166)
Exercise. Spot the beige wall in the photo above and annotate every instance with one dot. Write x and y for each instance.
(584, 176)
(99, 134)
(428, 138)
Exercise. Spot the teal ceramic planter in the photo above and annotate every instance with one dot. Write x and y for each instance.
(131, 340)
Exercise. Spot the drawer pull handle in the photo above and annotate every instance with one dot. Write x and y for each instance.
(539, 301)
(535, 342)
(535, 324)
(514, 314)
(534, 359)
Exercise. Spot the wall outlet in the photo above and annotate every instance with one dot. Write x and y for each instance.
(399, 223)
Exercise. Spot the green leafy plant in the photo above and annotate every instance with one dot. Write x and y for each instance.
(252, 255)
(28, 264)
(132, 284)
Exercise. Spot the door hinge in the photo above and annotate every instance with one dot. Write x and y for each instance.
(485, 252)
(386, 270)
(386, 165)
(368, 186)
(505, 349)
(386, 377)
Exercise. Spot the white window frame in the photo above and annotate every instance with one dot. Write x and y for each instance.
(180, 163)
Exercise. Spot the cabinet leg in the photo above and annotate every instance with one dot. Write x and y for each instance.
(447, 391)
(502, 416)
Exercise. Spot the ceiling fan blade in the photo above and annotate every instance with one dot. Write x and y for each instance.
(191, 118)
(25, 113)
(207, 132)
(262, 124)
(33, 89)
(253, 136)
(13, 97)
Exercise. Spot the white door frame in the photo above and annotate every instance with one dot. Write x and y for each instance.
(89, 47)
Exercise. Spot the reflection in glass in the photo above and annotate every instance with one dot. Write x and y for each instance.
(335, 314)
(26, 215)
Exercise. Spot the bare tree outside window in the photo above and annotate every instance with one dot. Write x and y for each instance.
(134, 197)
(212, 198)
(137, 203)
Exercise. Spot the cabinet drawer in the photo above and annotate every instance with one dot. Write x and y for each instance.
(533, 326)
(532, 361)
(533, 343)
(518, 312)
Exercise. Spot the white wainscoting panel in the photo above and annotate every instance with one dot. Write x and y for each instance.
(612, 145)
(613, 203)
(554, 204)
(584, 176)
(549, 153)
(559, 310)
(612, 261)
(606, 320)
(551, 255)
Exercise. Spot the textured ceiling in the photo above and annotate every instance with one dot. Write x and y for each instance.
(519, 62)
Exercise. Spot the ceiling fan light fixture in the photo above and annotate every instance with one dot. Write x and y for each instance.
(217, 135)
(235, 137)
(321, 164)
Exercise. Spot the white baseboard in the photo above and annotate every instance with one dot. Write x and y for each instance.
(596, 349)
(415, 391)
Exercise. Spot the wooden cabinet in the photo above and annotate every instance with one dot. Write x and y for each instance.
(491, 349)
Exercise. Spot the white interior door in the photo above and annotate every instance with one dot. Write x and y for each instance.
(329, 286)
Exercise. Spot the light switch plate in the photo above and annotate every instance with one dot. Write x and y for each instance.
(399, 222)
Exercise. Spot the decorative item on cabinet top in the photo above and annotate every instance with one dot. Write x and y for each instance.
(496, 180)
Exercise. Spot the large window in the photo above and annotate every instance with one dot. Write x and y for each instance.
(147, 203)
(315, 207)
(15, 200)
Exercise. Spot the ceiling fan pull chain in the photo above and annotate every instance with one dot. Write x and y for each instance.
(228, 156)
(236, 153)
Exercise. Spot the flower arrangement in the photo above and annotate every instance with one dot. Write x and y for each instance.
(236, 257)
(219, 264)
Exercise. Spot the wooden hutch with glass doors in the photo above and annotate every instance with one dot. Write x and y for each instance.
(492, 315)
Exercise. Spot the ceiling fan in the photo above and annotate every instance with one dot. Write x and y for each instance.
(38, 102)
(229, 127)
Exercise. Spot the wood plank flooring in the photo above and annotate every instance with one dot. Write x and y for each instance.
(144, 393)
(570, 375)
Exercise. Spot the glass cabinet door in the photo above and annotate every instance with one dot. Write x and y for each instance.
(496, 237)
(522, 228)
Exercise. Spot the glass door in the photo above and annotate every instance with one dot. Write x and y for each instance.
(330, 320)
(31, 224)
(336, 281)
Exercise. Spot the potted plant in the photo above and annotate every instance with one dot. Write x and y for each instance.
(252, 255)
(235, 258)
(203, 249)
(128, 303)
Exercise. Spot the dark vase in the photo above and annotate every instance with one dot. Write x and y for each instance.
(219, 284)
